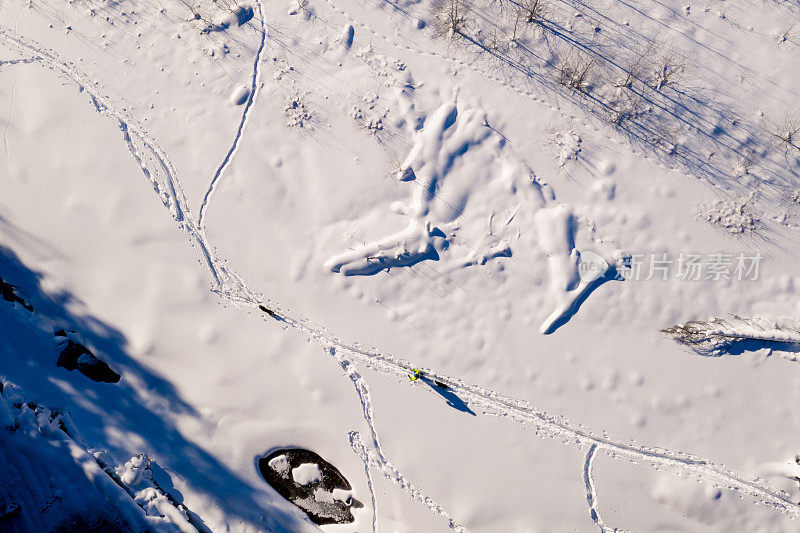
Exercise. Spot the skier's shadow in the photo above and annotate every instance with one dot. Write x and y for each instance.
(450, 397)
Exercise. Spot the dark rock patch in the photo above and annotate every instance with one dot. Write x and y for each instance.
(311, 483)
(78, 357)
(9, 293)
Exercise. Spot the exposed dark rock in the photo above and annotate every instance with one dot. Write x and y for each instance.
(318, 497)
(9, 293)
(76, 356)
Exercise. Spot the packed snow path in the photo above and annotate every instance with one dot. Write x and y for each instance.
(161, 174)
(248, 105)
(591, 491)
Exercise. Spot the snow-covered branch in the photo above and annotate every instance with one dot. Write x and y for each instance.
(717, 336)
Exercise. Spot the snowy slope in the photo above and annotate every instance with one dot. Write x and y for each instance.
(405, 185)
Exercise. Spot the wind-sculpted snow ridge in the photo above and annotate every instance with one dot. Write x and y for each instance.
(461, 173)
(453, 137)
(591, 491)
(556, 227)
(251, 98)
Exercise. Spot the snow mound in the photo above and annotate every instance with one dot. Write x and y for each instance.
(239, 95)
(306, 474)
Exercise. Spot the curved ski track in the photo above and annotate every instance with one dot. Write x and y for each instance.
(254, 89)
(591, 491)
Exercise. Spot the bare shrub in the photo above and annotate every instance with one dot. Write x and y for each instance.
(574, 72)
(534, 11)
(743, 166)
(450, 17)
(786, 133)
(668, 68)
(788, 35)
(638, 67)
(497, 41)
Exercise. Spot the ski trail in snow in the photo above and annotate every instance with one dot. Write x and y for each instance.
(492, 403)
(376, 456)
(145, 150)
(358, 446)
(23, 61)
(231, 287)
(496, 404)
(591, 492)
(254, 89)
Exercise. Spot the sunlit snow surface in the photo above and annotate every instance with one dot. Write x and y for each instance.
(264, 217)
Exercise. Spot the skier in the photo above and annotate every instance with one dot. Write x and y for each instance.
(417, 374)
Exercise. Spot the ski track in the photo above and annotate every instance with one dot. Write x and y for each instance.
(377, 458)
(492, 403)
(254, 89)
(172, 195)
(232, 288)
(358, 446)
(23, 61)
(591, 492)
